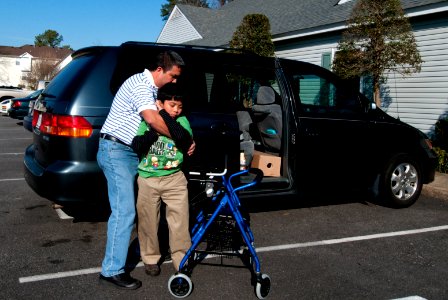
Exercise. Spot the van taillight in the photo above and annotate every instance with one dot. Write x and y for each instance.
(69, 126)
(16, 104)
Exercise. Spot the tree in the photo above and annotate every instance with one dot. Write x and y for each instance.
(42, 68)
(166, 9)
(219, 3)
(49, 38)
(254, 34)
(378, 38)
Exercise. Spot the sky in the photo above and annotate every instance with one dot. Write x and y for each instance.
(81, 23)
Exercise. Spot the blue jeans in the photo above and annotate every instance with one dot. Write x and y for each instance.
(119, 164)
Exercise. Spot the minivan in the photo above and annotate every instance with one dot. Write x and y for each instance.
(318, 130)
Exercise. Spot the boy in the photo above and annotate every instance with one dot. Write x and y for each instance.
(160, 178)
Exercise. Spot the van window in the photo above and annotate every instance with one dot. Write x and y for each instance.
(69, 76)
(324, 94)
(227, 90)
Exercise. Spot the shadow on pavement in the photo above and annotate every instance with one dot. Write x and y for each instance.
(307, 200)
(98, 212)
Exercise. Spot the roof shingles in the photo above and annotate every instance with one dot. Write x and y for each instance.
(285, 16)
(38, 52)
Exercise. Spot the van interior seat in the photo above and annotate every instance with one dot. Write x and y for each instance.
(267, 115)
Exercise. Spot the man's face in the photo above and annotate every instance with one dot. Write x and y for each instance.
(162, 77)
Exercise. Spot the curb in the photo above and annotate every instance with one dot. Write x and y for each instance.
(438, 188)
(436, 192)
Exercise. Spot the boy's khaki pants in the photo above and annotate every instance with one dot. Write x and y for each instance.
(171, 189)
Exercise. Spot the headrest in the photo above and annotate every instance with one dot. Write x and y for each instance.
(265, 95)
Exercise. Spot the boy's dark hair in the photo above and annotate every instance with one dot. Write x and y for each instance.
(168, 91)
(167, 59)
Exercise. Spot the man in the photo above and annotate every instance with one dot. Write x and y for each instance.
(134, 100)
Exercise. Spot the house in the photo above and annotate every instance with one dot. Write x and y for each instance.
(17, 64)
(309, 30)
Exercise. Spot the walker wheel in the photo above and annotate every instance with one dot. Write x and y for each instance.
(180, 285)
(263, 286)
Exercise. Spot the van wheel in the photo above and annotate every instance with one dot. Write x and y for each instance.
(401, 183)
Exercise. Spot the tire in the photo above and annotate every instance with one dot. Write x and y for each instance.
(263, 287)
(401, 182)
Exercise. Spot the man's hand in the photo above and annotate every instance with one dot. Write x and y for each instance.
(159, 105)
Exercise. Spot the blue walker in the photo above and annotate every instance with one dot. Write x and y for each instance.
(224, 196)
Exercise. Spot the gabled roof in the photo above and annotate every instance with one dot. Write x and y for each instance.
(287, 17)
(37, 52)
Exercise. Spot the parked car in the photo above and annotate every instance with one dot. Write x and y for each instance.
(20, 106)
(316, 130)
(9, 92)
(28, 119)
(5, 105)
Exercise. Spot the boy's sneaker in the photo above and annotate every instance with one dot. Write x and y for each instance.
(152, 270)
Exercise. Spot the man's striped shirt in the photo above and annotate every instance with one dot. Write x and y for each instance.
(136, 94)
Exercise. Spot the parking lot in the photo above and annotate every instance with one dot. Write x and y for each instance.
(322, 247)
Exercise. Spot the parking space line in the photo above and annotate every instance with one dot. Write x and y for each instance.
(351, 239)
(59, 275)
(11, 179)
(258, 250)
(411, 298)
(12, 153)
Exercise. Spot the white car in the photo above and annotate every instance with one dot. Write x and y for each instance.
(5, 106)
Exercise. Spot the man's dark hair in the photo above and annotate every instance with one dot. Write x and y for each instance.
(167, 59)
(168, 91)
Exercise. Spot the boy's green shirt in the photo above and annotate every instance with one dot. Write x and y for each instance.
(163, 158)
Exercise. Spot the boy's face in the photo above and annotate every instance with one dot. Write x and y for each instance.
(172, 107)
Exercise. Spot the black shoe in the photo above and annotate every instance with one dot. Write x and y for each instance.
(122, 281)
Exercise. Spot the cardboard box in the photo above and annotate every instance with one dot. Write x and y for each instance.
(268, 163)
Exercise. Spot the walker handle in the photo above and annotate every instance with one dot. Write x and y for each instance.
(258, 177)
(209, 174)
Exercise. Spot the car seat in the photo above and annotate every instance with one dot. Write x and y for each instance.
(267, 115)
(246, 142)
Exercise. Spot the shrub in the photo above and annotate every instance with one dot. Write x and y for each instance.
(443, 159)
(441, 144)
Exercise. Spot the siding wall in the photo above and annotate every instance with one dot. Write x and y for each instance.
(422, 99)
(178, 30)
(9, 72)
(419, 100)
(309, 49)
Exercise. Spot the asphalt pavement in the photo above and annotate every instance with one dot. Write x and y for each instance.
(439, 187)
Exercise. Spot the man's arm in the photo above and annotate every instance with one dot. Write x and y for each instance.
(155, 121)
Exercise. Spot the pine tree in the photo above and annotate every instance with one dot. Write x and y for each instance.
(254, 34)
